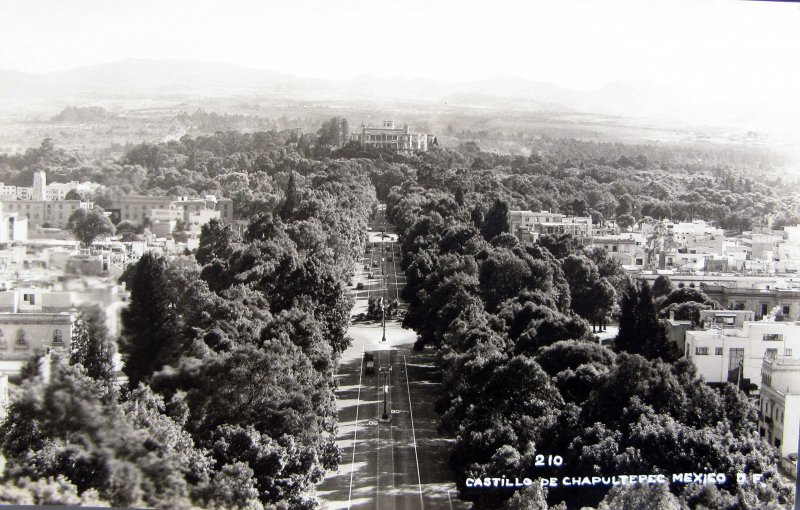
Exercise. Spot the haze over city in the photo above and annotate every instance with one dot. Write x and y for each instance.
(731, 49)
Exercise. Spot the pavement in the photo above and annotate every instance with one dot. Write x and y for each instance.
(401, 463)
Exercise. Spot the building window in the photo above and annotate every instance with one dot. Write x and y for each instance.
(3, 342)
(766, 379)
(701, 351)
(58, 338)
(773, 337)
(787, 352)
(22, 341)
(785, 309)
(718, 351)
(29, 298)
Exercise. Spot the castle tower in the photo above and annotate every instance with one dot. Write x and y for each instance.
(39, 185)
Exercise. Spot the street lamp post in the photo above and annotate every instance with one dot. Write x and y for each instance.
(383, 310)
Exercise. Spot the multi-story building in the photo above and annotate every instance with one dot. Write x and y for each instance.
(137, 208)
(627, 248)
(390, 137)
(728, 354)
(779, 411)
(43, 212)
(527, 225)
(761, 246)
(34, 206)
(686, 234)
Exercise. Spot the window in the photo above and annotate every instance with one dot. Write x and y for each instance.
(785, 309)
(773, 337)
(3, 342)
(764, 308)
(22, 341)
(717, 351)
(30, 298)
(58, 338)
(787, 352)
(771, 353)
(701, 351)
(766, 379)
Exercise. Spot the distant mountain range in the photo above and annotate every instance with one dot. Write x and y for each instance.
(135, 78)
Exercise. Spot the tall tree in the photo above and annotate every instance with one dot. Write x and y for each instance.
(496, 221)
(290, 200)
(151, 336)
(92, 346)
(640, 331)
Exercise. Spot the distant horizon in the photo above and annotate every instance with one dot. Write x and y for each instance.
(366, 74)
(732, 50)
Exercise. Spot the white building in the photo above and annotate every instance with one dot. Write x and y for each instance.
(626, 248)
(721, 352)
(395, 138)
(56, 191)
(696, 232)
(779, 411)
(528, 225)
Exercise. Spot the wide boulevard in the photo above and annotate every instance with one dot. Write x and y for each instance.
(400, 463)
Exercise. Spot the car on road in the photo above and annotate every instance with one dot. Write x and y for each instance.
(369, 363)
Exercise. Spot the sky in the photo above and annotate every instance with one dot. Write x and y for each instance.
(728, 48)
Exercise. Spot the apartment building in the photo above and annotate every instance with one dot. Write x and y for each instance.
(138, 208)
(729, 354)
(528, 225)
(779, 406)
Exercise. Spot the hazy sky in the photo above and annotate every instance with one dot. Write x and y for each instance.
(732, 48)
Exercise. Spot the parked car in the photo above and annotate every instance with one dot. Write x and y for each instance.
(369, 363)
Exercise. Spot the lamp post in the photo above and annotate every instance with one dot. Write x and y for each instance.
(383, 311)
